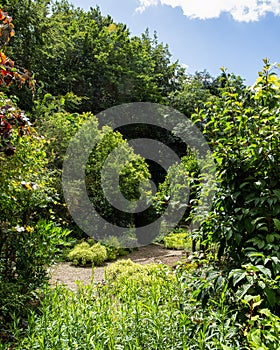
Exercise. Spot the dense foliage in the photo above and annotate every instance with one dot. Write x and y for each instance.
(243, 131)
(71, 50)
(225, 297)
(27, 243)
(146, 307)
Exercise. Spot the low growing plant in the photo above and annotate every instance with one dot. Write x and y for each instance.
(178, 240)
(84, 253)
(136, 307)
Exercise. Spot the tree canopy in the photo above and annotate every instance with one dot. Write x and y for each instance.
(83, 52)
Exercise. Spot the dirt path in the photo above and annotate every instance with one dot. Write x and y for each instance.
(65, 273)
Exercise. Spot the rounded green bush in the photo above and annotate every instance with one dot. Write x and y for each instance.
(83, 253)
(99, 254)
(124, 275)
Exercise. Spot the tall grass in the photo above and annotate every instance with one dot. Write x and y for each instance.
(138, 307)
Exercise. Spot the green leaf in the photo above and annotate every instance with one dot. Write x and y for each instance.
(271, 296)
(277, 193)
(270, 238)
(237, 275)
(225, 347)
(249, 225)
(264, 270)
(277, 224)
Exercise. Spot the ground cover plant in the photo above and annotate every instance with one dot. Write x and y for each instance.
(96, 253)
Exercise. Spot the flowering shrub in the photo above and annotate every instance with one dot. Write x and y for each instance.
(27, 244)
(10, 116)
(243, 132)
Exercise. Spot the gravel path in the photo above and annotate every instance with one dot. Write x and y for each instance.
(67, 274)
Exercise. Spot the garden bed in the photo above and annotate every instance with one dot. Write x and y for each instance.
(67, 274)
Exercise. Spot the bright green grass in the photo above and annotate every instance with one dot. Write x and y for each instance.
(130, 313)
(138, 307)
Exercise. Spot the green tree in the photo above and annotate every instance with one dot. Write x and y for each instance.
(243, 131)
(192, 95)
(83, 52)
(29, 18)
(59, 128)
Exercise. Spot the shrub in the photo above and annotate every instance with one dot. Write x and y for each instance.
(180, 240)
(60, 127)
(114, 248)
(263, 331)
(243, 131)
(84, 253)
(180, 180)
(27, 252)
(125, 274)
(27, 244)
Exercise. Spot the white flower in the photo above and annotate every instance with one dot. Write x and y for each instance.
(19, 228)
(35, 186)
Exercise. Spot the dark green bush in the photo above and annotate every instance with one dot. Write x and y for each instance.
(27, 254)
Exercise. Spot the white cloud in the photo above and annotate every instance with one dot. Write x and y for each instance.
(241, 10)
(146, 3)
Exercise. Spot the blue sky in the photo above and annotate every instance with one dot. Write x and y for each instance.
(205, 34)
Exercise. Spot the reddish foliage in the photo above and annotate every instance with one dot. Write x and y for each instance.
(10, 117)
